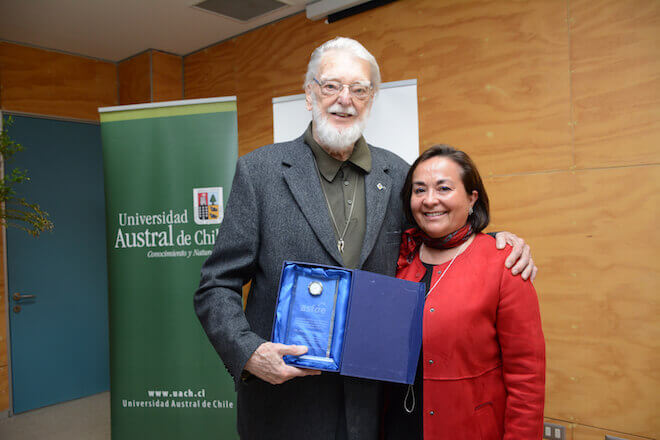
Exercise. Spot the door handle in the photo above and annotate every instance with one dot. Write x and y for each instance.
(17, 296)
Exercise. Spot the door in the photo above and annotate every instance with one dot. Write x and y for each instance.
(59, 338)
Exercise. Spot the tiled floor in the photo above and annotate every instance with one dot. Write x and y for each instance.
(86, 419)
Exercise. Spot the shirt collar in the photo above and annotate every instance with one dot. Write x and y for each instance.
(328, 165)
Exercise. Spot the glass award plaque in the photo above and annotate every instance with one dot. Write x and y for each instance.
(311, 315)
(311, 311)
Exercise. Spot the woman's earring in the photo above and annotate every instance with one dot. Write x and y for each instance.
(470, 211)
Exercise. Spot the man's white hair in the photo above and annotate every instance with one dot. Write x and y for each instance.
(345, 44)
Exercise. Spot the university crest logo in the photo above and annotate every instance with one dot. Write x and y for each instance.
(207, 204)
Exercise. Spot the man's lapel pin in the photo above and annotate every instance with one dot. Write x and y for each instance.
(380, 186)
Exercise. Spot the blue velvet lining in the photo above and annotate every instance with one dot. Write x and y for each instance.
(290, 304)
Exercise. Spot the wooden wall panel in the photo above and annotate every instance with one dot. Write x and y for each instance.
(616, 81)
(51, 83)
(492, 77)
(134, 76)
(579, 432)
(494, 81)
(590, 433)
(151, 76)
(211, 72)
(269, 70)
(4, 388)
(167, 70)
(598, 246)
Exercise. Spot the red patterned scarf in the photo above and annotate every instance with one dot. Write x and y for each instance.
(412, 238)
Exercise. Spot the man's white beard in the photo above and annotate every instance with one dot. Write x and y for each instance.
(332, 138)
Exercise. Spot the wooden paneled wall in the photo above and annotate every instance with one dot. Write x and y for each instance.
(167, 71)
(575, 431)
(558, 102)
(52, 83)
(134, 77)
(150, 76)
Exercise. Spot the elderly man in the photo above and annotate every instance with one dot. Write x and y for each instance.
(326, 197)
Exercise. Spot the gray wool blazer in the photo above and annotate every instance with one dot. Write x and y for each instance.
(276, 211)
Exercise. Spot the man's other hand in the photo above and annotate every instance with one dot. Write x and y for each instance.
(267, 364)
(521, 255)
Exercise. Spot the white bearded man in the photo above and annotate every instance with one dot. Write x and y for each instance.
(326, 198)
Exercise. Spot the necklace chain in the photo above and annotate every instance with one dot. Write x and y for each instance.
(458, 252)
(411, 391)
(340, 242)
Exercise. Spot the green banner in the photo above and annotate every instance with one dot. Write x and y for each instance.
(168, 171)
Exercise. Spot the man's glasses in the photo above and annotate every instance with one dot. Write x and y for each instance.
(331, 88)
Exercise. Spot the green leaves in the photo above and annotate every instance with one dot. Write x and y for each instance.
(16, 211)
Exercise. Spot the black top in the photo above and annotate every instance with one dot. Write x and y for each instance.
(399, 424)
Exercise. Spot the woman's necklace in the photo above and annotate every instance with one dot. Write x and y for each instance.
(458, 252)
(411, 391)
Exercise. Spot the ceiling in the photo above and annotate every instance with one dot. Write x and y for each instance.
(114, 30)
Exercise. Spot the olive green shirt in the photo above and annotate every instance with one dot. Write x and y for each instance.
(343, 185)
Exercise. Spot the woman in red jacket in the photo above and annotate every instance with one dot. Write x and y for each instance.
(482, 370)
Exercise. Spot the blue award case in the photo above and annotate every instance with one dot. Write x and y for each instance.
(354, 322)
